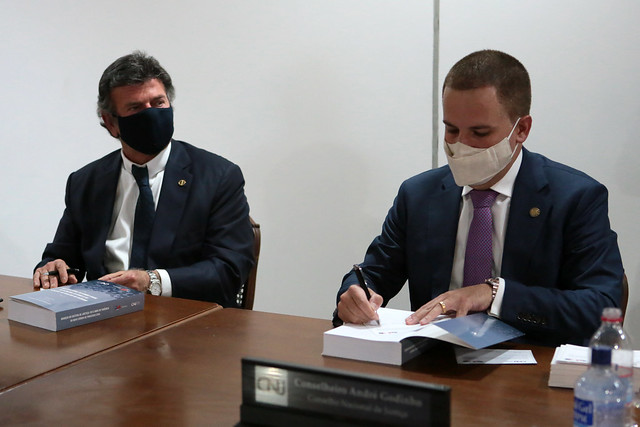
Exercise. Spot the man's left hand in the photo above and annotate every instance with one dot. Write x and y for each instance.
(459, 301)
(135, 279)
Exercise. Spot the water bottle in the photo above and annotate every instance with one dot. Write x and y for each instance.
(610, 334)
(599, 394)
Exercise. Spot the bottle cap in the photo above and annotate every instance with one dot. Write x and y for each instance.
(601, 356)
(612, 314)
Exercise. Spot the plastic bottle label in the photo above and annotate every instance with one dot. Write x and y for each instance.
(582, 412)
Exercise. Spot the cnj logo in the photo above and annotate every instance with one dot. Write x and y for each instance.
(271, 385)
(268, 384)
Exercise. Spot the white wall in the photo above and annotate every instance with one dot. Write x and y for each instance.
(325, 104)
(583, 62)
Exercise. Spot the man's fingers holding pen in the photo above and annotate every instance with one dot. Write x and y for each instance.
(354, 307)
(39, 278)
(43, 279)
(71, 279)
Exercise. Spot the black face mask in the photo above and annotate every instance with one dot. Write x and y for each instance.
(148, 131)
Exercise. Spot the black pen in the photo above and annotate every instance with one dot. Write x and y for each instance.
(361, 281)
(74, 271)
(363, 284)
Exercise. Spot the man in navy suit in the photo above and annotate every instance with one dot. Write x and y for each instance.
(554, 261)
(197, 240)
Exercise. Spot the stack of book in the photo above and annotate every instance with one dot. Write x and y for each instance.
(394, 342)
(570, 361)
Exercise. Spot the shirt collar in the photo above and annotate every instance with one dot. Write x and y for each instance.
(154, 166)
(505, 185)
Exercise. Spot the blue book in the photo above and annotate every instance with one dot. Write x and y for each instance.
(74, 305)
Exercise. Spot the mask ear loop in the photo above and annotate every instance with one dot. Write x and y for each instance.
(514, 128)
(509, 138)
(115, 117)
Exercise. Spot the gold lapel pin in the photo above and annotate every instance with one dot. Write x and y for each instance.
(182, 182)
(534, 212)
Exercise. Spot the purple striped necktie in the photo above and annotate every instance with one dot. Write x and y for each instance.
(478, 257)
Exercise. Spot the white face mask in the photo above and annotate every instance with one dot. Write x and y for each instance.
(475, 166)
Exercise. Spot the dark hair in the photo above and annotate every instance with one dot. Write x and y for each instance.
(498, 69)
(133, 69)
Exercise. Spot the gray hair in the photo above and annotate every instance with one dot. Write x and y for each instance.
(133, 69)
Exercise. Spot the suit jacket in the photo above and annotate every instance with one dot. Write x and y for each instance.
(201, 233)
(561, 267)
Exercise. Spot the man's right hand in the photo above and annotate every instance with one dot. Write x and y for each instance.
(41, 278)
(354, 307)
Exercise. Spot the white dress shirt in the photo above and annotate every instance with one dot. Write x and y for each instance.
(120, 237)
(500, 213)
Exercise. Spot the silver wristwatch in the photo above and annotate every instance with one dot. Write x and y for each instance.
(155, 286)
(494, 282)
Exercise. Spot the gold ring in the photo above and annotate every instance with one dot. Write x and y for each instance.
(443, 307)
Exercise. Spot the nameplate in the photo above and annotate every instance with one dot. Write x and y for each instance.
(277, 393)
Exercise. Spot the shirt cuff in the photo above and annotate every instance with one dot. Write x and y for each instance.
(165, 281)
(496, 306)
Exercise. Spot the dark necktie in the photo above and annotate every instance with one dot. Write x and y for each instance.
(478, 257)
(145, 212)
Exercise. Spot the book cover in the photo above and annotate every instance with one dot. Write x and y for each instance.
(394, 342)
(74, 305)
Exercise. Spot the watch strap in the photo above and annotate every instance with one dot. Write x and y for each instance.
(494, 282)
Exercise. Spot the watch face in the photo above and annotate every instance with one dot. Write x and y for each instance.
(155, 289)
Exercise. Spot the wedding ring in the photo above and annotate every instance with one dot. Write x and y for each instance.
(443, 307)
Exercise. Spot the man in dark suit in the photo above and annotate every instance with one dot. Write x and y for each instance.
(553, 260)
(159, 215)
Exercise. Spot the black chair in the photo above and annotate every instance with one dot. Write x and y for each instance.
(625, 295)
(245, 296)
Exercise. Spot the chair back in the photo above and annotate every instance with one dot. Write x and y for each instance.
(625, 295)
(247, 292)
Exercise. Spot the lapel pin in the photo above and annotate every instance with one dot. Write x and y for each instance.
(182, 182)
(534, 212)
